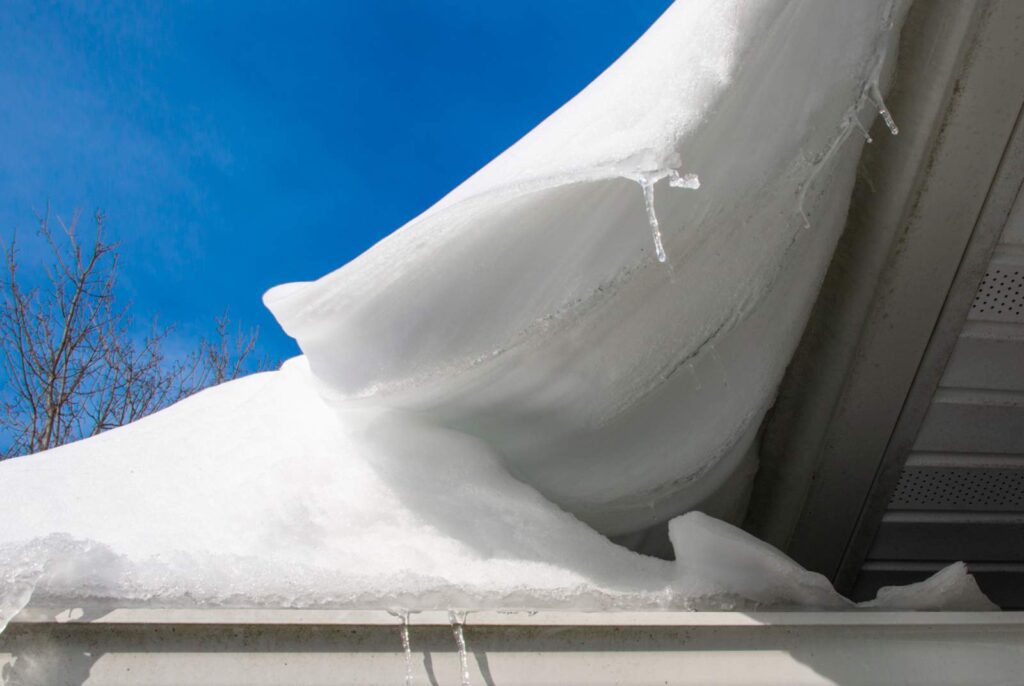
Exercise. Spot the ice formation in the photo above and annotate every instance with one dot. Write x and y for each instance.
(460, 643)
(406, 646)
(513, 361)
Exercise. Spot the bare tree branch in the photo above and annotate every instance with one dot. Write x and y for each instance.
(72, 361)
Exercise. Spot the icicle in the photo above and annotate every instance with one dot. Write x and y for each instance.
(406, 648)
(889, 121)
(876, 95)
(819, 162)
(403, 618)
(860, 127)
(869, 93)
(647, 181)
(460, 641)
(652, 218)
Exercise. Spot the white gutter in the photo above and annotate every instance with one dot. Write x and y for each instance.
(238, 646)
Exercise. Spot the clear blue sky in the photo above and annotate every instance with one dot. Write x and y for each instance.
(238, 145)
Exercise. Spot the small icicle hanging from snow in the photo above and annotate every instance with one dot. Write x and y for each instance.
(652, 218)
(676, 180)
(886, 115)
(870, 93)
(860, 127)
(460, 641)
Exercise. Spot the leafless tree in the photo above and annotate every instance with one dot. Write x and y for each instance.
(229, 354)
(72, 360)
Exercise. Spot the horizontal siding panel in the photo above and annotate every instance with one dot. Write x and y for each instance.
(964, 421)
(965, 460)
(986, 363)
(927, 536)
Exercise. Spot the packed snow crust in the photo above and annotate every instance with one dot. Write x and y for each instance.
(516, 369)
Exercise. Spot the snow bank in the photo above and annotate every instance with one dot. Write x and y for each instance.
(512, 362)
(528, 307)
(259, 492)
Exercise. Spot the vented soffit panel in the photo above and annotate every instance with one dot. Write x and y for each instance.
(926, 214)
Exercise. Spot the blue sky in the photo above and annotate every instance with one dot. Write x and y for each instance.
(238, 145)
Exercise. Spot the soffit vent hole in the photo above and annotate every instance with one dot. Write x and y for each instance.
(1000, 296)
(930, 488)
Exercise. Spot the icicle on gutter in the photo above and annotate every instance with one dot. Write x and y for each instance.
(460, 641)
(647, 181)
(403, 619)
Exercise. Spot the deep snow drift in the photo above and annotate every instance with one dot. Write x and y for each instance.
(257, 492)
(522, 337)
(528, 307)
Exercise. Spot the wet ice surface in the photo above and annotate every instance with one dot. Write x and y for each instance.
(515, 370)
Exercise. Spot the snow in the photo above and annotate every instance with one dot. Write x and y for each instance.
(529, 307)
(516, 369)
(259, 492)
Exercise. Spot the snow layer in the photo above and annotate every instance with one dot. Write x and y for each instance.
(528, 307)
(520, 338)
(259, 492)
